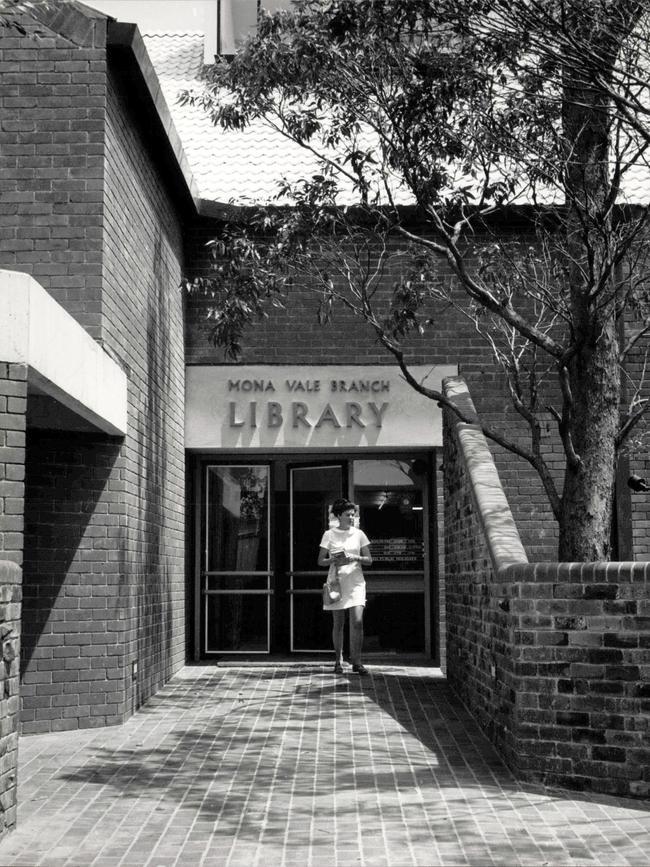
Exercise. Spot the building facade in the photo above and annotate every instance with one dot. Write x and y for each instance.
(93, 251)
(166, 505)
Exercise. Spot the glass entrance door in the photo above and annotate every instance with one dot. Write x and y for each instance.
(312, 491)
(257, 582)
(392, 495)
(236, 576)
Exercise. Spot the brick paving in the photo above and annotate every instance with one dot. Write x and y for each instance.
(291, 765)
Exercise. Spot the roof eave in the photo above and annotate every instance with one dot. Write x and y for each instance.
(125, 44)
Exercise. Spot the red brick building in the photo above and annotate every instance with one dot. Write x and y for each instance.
(164, 505)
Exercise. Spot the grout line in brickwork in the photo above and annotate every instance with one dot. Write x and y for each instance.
(439, 762)
(295, 778)
(248, 681)
(178, 809)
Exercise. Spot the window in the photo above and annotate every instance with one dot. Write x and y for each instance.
(237, 19)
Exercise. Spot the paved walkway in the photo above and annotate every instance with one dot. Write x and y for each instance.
(290, 765)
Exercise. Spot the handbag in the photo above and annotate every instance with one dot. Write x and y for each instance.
(331, 592)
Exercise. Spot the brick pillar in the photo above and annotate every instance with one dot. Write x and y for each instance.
(13, 408)
(13, 405)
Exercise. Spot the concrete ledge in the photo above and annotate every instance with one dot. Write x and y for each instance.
(63, 361)
(499, 528)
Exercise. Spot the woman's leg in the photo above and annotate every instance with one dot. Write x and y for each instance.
(356, 634)
(338, 622)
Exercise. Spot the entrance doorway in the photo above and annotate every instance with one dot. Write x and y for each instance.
(259, 525)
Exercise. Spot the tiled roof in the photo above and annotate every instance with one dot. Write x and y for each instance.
(244, 167)
(176, 56)
(239, 167)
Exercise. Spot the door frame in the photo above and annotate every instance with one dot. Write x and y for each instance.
(343, 464)
(200, 551)
(198, 461)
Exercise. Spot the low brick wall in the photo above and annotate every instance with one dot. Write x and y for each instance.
(553, 659)
(582, 671)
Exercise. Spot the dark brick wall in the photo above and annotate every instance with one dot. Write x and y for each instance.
(294, 336)
(636, 458)
(52, 105)
(581, 650)
(74, 627)
(551, 658)
(13, 405)
(479, 652)
(142, 324)
(89, 214)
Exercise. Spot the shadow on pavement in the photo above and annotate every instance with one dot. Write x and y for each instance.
(271, 747)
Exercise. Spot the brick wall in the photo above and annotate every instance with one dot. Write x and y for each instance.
(294, 336)
(142, 325)
(582, 650)
(73, 644)
(480, 663)
(13, 408)
(552, 658)
(636, 458)
(86, 209)
(13, 401)
(52, 98)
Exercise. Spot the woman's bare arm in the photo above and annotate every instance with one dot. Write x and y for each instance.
(323, 557)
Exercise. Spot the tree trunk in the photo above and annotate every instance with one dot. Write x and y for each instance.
(591, 408)
(587, 497)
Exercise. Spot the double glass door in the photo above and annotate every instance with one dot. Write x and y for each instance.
(257, 579)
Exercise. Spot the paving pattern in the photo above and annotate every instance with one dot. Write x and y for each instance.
(266, 766)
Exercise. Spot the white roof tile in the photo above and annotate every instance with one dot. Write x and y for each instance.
(246, 167)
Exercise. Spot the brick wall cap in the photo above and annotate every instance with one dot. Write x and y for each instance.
(598, 572)
(456, 390)
(501, 534)
(499, 528)
(80, 24)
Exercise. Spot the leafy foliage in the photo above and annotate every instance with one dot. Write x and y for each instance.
(466, 109)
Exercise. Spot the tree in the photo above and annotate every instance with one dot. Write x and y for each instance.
(472, 106)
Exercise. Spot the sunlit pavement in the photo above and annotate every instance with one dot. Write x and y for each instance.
(292, 765)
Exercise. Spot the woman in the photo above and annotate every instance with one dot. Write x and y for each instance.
(352, 549)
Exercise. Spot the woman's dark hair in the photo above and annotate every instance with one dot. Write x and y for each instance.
(341, 505)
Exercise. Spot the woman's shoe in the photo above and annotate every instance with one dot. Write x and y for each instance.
(360, 669)
(338, 668)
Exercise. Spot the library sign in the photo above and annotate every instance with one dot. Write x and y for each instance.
(269, 407)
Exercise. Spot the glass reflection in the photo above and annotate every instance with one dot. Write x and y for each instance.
(390, 497)
(237, 541)
(228, 631)
(237, 519)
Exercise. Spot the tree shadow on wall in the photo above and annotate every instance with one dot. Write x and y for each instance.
(151, 572)
(66, 506)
